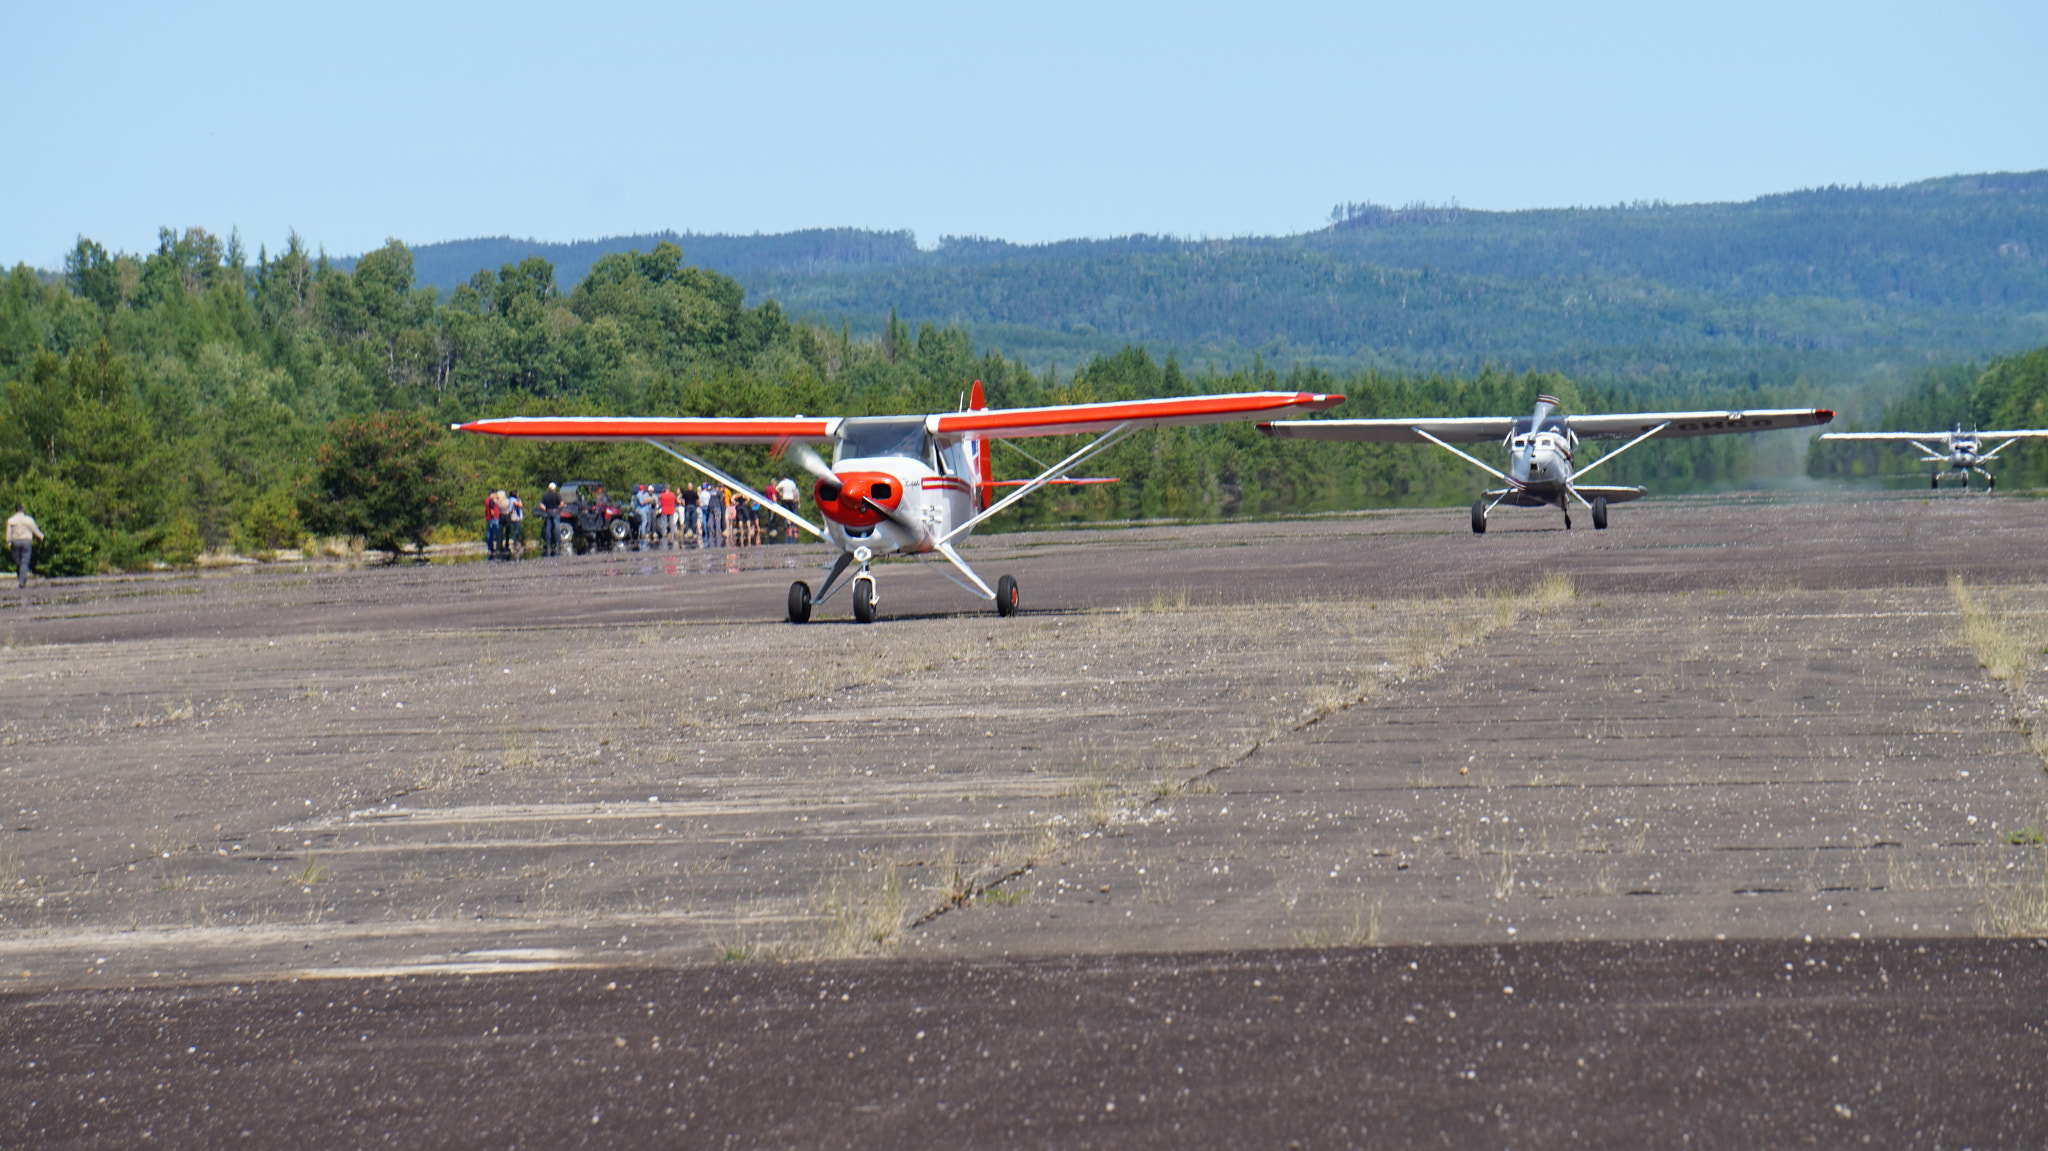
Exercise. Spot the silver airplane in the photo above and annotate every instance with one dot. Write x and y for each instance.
(1959, 450)
(1540, 447)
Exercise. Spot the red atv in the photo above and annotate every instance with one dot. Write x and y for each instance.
(590, 520)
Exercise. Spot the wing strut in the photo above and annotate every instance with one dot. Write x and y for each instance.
(1041, 479)
(1998, 449)
(1473, 460)
(1581, 473)
(771, 505)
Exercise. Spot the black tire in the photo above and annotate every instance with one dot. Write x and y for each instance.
(1599, 513)
(1478, 517)
(799, 602)
(565, 538)
(864, 600)
(1990, 482)
(621, 531)
(1934, 481)
(1006, 596)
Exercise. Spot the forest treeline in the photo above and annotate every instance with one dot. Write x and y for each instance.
(192, 398)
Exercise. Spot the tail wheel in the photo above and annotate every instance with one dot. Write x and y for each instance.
(1599, 513)
(864, 599)
(1478, 517)
(799, 602)
(1006, 596)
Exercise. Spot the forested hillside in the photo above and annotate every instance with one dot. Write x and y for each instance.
(156, 405)
(1831, 284)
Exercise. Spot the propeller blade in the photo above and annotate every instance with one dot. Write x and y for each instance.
(895, 516)
(809, 460)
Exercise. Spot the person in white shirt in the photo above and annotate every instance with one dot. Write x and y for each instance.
(785, 494)
(22, 534)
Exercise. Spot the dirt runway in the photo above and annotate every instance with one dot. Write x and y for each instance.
(1725, 736)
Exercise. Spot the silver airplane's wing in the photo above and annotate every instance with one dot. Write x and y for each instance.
(1624, 426)
(2026, 434)
(1463, 430)
(1614, 495)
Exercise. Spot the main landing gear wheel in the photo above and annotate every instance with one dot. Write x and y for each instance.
(1478, 517)
(799, 602)
(1934, 481)
(864, 598)
(1006, 596)
(1567, 519)
(1599, 513)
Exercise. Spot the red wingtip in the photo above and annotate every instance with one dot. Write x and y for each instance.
(1824, 415)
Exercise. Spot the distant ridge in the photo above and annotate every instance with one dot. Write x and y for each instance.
(1949, 267)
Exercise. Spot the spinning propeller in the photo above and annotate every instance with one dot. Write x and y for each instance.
(807, 457)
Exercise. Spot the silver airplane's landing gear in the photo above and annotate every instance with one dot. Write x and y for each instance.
(1599, 513)
(1567, 519)
(864, 598)
(1006, 596)
(799, 602)
(1934, 481)
(1479, 517)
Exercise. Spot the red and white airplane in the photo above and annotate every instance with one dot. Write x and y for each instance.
(907, 485)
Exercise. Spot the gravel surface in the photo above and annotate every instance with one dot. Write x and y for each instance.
(1723, 736)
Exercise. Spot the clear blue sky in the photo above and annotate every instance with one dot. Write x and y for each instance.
(356, 122)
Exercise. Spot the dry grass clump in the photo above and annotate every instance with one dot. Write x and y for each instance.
(1361, 928)
(864, 913)
(2020, 910)
(2000, 652)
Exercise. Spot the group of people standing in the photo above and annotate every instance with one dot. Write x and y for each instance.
(710, 515)
(504, 521)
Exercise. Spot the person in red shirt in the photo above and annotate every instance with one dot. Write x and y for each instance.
(666, 524)
(491, 524)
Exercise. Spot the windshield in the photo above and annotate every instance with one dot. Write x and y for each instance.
(868, 437)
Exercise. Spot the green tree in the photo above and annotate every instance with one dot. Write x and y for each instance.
(378, 477)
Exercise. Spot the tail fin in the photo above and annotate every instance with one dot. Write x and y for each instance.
(984, 469)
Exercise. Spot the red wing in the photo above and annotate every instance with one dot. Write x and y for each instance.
(749, 430)
(1067, 419)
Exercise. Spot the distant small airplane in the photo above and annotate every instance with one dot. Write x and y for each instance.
(1540, 447)
(907, 485)
(1958, 450)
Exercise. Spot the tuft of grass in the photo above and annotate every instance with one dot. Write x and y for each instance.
(2000, 653)
(2024, 836)
(1001, 896)
(1360, 929)
(864, 913)
(2020, 910)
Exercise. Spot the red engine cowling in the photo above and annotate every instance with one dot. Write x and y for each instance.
(847, 506)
